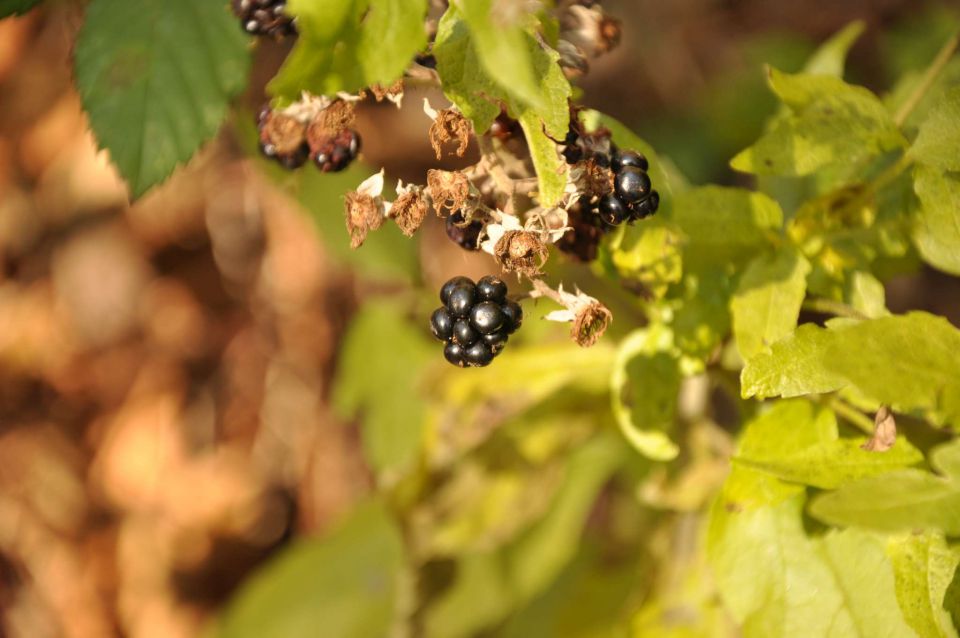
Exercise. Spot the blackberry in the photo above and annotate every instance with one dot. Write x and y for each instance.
(264, 17)
(647, 207)
(621, 159)
(631, 185)
(466, 235)
(475, 321)
(333, 154)
(282, 138)
(612, 210)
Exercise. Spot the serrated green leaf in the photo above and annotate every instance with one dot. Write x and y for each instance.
(792, 368)
(832, 123)
(502, 45)
(779, 583)
(767, 303)
(381, 385)
(867, 294)
(939, 137)
(643, 389)
(831, 464)
(936, 227)
(346, 584)
(900, 501)
(348, 45)
(905, 361)
(16, 7)
(923, 567)
(467, 83)
(782, 431)
(724, 224)
(156, 78)
(830, 57)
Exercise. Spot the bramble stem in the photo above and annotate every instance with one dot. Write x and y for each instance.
(850, 414)
(936, 67)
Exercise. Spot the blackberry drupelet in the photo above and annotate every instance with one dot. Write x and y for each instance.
(264, 17)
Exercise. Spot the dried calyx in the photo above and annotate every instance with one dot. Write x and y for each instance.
(588, 317)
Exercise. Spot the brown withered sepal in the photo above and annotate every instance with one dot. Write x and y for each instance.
(521, 251)
(363, 214)
(449, 189)
(409, 210)
(450, 126)
(284, 134)
(590, 323)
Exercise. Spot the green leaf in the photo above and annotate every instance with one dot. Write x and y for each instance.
(468, 84)
(489, 585)
(156, 78)
(832, 123)
(900, 501)
(831, 464)
(786, 429)
(905, 361)
(923, 567)
(767, 303)
(779, 583)
(651, 256)
(703, 321)
(16, 7)
(939, 137)
(725, 223)
(936, 228)
(349, 44)
(792, 367)
(643, 389)
(503, 47)
(381, 385)
(346, 584)
(830, 58)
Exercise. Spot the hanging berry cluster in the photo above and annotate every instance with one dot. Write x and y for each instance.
(475, 321)
(492, 206)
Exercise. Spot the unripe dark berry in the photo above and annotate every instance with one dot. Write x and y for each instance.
(491, 288)
(453, 353)
(448, 287)
(514, 316)
(461, 300)
(479, 354)
(441, 324)
(631, 185)
(612, 210)
(621, 159)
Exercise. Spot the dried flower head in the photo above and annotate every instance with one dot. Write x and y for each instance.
(393, 93)
(328, 123)
(448, 189)
(590, 30)
(521, 251)
(410, 208)
(365, 209)
(588, 317)
(281, 132)
(450, 126)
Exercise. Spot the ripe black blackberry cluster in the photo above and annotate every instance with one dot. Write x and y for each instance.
(475, 321)
(632, 197)
(288, 141)
(264, 17)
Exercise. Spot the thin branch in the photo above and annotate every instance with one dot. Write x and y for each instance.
(936, 67)
(850, 414)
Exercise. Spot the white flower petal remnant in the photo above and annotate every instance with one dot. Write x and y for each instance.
(589, 317)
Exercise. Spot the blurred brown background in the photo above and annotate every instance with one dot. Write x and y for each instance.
(165, 367)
